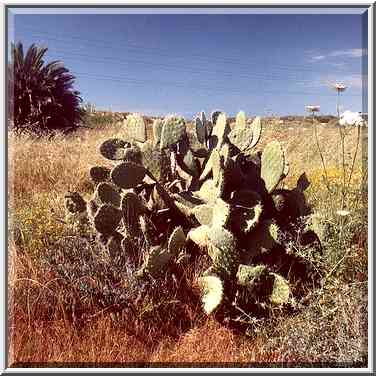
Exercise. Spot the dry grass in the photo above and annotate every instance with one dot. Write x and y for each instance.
(330, 328)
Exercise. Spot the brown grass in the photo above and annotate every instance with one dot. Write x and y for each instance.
(41, 171)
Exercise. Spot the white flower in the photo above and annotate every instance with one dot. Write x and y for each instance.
(351, 118)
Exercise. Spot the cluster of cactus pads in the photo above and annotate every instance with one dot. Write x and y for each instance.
(196, 191)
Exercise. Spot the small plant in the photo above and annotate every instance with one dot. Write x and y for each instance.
(181, 197)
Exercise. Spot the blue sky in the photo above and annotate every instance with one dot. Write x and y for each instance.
(184, 63)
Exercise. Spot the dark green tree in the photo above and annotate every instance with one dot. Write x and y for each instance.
(41, 96)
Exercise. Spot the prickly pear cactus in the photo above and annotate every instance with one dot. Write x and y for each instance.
(135, 128)
(199, 191)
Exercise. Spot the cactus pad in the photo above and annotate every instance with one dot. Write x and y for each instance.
(74, 203)
(133, 154)
(157, 131)
(241, 138)
(106, 193)
(221, 213)
(223, 249)
(241, 120)
(204, 214)
(200, 130)
(281, 290)
(261, 240)
(212, 292)
(272, 165)
(132, 208)
(221, 129)
(176, 242)
(106, 219)
(208, 192)
(256, 127)
(156, 161)
(247, 273)
(99, 174)
(113, 149)
(303, 182)
(190, 164)
(135, 128)
(128, 175)
(214, 116)
(173, 131)
(199, 236)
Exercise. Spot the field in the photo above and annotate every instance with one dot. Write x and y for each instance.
(330, 329)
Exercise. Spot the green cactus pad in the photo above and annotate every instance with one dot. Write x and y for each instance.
(199, 236)
(132, 208)
(99, 174)
(289, 204)
(245, 197)
(106, 193)
(156, 261)
(200, 130)
(107, 218)
(157, 131)
(247, 274)
(225, 155)
(190, 164)
(74, 203)
(176, 242)
(246, 210)
(216, 166)
(187, 198)
(92, 208)
(204, 214)
(135, 128)
(113, 149)
(214, 117)
(133, 154)
(241, 138)
(272, 165)
(303, 182)
(156, 161)
(241, 120)
(281, 290)
(244, 219)
(173, 131)
(256, 127)
(262, 239)
(128, 175)
(221, 129)
(221, 213)
(208, 167)
(212, 292)
(224, 263)
(222, 239)
(208, 192)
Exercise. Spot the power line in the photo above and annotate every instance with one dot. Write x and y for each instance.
(158, 51)
(122, 79)
(182, 69)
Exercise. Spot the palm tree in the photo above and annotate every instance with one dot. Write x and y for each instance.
(41, 96)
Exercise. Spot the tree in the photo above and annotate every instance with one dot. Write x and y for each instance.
(41, 96)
